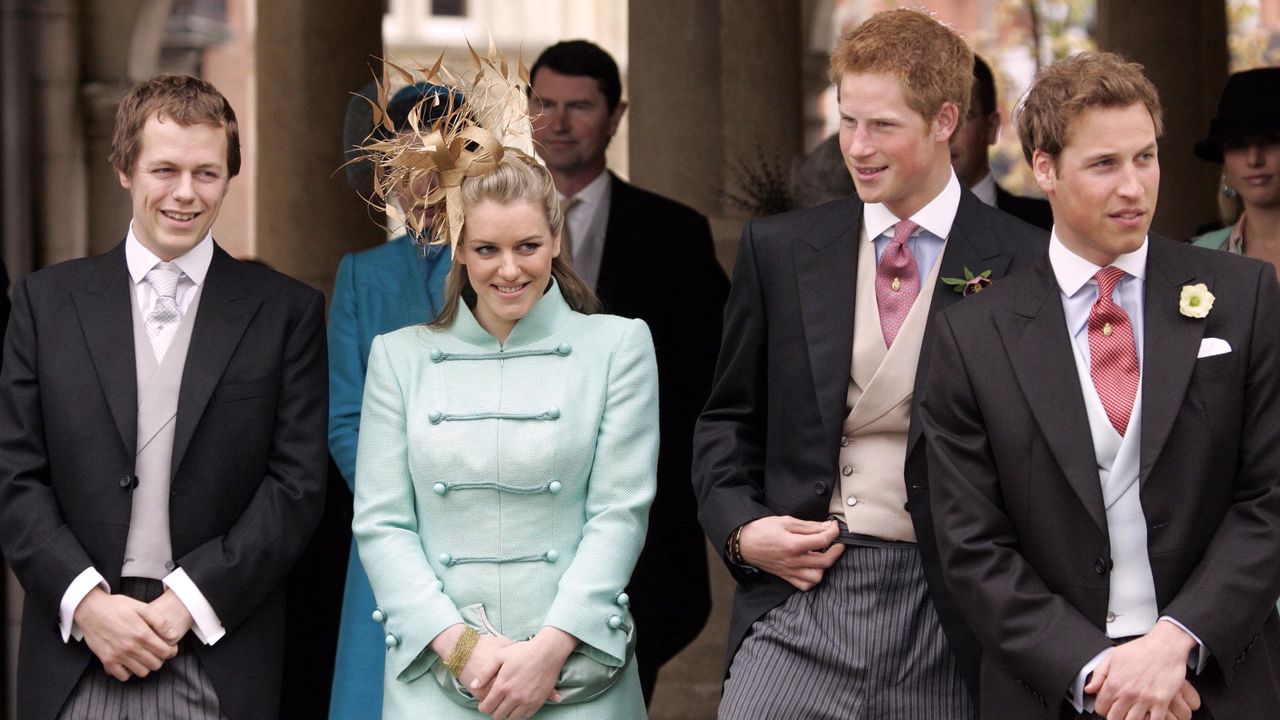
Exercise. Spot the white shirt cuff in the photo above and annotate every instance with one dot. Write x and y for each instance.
(208, 628)
(1199, 656)
(1077, 697)
(84, 582)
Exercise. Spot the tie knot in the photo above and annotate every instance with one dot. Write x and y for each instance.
(1108, 278)
(164, 279)
(902, 231)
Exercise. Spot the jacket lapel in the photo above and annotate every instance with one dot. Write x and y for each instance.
(610, 281)
(972, 244)
(1035, 337)
(106, 316)
(826, 260)
(1170, 345)
(221, 318)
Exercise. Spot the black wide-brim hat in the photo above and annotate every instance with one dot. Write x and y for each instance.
(1249, 107)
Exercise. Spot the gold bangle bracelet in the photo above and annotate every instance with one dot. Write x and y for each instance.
(462, 650)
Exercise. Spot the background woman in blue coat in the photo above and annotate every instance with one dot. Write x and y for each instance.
(507, 460)
(377, 290)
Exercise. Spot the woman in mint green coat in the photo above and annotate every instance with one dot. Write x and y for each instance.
(507, 459)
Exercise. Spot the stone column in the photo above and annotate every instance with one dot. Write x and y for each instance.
(121, 47)
(310, 57)
(1185, 55)
(710, 84)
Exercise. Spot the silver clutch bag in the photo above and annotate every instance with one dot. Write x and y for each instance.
(582, 677)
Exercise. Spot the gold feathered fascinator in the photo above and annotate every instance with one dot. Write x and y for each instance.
(484, 113)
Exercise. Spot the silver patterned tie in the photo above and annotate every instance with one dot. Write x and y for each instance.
(162, 322)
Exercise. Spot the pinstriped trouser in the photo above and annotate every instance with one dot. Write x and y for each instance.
(180, 689)
(865, 644)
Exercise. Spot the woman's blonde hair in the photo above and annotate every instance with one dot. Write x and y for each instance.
(517, 178)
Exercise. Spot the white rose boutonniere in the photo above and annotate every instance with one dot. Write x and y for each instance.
(1196, 301)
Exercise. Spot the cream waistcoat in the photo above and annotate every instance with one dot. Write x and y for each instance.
(873, 445)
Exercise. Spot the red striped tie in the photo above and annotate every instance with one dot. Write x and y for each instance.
(1113, 358)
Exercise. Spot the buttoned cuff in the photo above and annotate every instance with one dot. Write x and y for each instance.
(87, 580)
(1199, 656)
(208, 628)
(1076, 696)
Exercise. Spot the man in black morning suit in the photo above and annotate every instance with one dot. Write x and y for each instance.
(1104, 440)
(784, 462)
(650, 258)
(162, 443)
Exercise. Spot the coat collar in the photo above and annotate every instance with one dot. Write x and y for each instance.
(1035, 336)
(548, 315)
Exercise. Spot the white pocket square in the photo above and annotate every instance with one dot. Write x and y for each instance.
(1213, 346)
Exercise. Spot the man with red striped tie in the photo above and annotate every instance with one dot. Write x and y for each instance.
(1104, 440)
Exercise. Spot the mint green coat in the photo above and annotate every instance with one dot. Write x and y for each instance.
(516, 476)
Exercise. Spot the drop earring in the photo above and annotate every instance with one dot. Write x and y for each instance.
(1227, 191)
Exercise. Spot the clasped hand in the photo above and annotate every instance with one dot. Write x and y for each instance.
(514, 679)
(798, 551)
(132, 638)
(1146, 678)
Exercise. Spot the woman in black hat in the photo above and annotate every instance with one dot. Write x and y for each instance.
(1245, 139)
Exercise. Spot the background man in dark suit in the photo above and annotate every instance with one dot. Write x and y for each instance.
(162, 443)
(970, 147)
(1104, 440)
(810, 436)
(649, 258)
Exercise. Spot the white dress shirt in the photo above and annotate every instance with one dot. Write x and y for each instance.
(195, 267)
(934, 220)
(588, 221)
(985, 189)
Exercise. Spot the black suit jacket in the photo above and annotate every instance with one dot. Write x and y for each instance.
(768, 442)
(248, 464)
(1019, 506)
(1032, 210)
(659, 265)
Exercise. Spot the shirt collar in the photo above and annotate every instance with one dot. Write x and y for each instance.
(1235, 241)
(985, 189)
(1074, 272)
(593, 192)
(936, 217)
(194, 263)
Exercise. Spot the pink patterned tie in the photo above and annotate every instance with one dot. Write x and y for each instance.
(1113, 358)
(897, 281)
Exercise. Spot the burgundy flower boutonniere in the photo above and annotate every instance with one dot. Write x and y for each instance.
(970, 284)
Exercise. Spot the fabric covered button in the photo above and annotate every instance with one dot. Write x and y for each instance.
(615, 621)
(847, 470)
(624, 599)
(851, 501)
(552, 555)
(437, 355)
(444, 558)
(564, 349)
(435, 416)
(554, 413)
(554, 487)
(379, 616)
(391, 641)
(439, 488)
